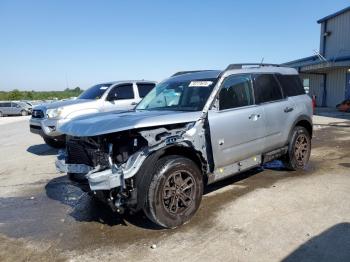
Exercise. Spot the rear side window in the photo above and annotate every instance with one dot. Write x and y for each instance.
(2, 105)
(236, 91)
(266, 88)
(6, 105)
(291, 85)
(144, 88)
(122, 92)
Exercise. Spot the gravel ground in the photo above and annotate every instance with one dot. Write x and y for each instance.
(267, 214)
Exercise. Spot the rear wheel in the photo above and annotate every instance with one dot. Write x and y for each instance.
(299, 149)
(54, 142)
(24, 113)
(175, 192)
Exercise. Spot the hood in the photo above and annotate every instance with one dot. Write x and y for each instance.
(98, 124)
(61, 104)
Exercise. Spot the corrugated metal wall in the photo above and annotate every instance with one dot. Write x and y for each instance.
(338, 43)
(336, 81)
(316, 86)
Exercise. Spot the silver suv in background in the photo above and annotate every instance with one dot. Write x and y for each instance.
(192, 129)
(120, 95)
(8, 108)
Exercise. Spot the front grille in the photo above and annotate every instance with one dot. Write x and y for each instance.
(37, 113)
(85, 152)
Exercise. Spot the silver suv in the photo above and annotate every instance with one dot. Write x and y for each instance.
(121, 95)
(8, 108)
(192, 129)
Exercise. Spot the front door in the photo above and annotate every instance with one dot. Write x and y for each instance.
(120, 97)
(237, 126)
(347, 87)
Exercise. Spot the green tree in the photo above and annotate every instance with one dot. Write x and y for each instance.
(15, 95)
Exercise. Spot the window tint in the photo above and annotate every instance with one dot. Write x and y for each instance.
(121, 92)
(144, 88)
(1, 104)
(291, 85)
(15, 105)
(236, 91)
(94, 92)
(6, 104)
(266, 88)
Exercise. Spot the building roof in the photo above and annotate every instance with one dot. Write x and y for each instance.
(334, 15)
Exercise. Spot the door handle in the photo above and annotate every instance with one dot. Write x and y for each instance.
(133, 103)
(254, 117)
(288, 109)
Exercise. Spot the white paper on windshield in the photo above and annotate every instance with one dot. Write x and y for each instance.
(200, 83)
(103, 87)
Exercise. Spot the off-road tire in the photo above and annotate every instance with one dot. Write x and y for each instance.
(299, 149)
(178, 205)
(55, 143)
(24, 113)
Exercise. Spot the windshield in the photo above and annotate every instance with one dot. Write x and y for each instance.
(94, 92)
(187, 95)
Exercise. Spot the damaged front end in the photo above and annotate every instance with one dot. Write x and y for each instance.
(111, 162)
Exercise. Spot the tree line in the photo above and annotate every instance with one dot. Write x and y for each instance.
(39, 95)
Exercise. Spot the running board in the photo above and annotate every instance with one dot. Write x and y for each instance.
(272, 155)
(235, 168)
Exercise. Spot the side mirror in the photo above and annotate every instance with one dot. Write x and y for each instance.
(112, 96)
(215, 105)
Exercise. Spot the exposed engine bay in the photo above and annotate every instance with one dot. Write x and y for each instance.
(112, 161)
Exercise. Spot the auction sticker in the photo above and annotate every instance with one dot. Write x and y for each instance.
(200, 83)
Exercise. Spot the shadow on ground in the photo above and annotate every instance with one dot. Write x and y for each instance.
(331, 245)
(42, 150)
(86, 208)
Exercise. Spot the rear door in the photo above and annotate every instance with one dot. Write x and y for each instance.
(143, 89)
(237, 126)
(278, 110)
(120, 97)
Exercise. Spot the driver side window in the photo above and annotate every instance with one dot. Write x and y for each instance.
(121, 92)
(236, 91)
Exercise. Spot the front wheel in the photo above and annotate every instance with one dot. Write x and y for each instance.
(24, 113)
(175, 192)
(55, 143)
(299, 149)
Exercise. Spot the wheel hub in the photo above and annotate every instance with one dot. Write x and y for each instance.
(178, 192)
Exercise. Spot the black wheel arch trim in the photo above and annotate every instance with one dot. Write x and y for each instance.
(144, 176)
(299, 119)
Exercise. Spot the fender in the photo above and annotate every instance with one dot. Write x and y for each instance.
(301, 118)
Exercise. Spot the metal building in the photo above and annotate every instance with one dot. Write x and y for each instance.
(327, 73)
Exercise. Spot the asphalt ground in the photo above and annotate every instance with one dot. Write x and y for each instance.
(267, 214)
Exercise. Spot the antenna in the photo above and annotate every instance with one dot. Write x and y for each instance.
(262, 61)
(66, 81)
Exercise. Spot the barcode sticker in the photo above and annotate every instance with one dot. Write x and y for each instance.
(201, 83)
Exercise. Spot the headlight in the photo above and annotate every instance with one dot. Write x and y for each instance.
(54, 113)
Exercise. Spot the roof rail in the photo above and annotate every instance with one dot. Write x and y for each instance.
(188, 72)
(240, 66)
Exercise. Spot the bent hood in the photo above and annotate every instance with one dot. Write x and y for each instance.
(98, 124)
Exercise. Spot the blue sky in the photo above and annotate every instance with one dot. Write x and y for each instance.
(46, 44)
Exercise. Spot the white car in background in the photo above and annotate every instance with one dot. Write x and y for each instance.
(120, 95)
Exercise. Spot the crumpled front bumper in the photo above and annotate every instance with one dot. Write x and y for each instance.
(98, 180)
